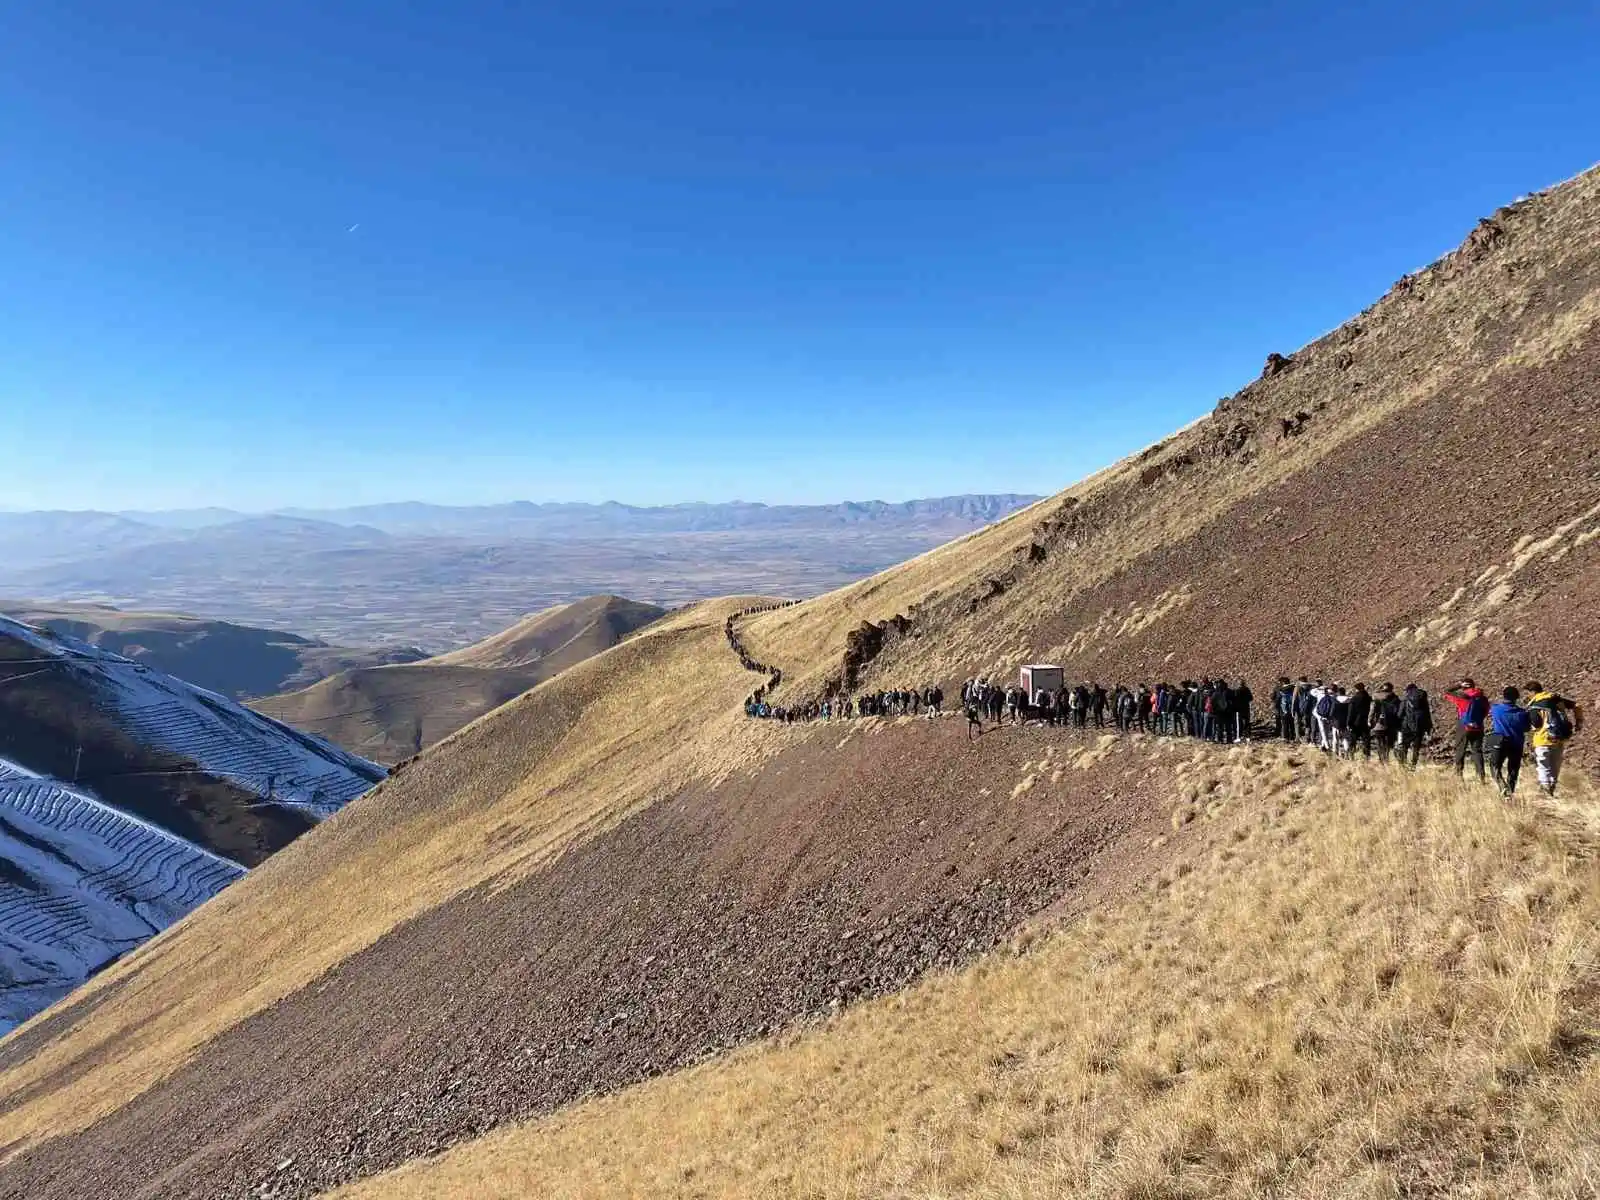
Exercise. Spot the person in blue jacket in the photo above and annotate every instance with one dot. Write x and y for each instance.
(1508, 724)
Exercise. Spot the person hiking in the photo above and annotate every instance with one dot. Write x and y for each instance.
(1097, 704)
(1386, 714)
(1283, 708)
(1360, 728)
(1554, 720)
(1221, 712)
(1472, 709)
(1080, 706)
(1305, 703)
(1339, 722)
(1240, 701)
(1416, 724)
(1322, 714)
(1508, 725)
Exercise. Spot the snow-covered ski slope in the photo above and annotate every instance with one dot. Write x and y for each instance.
(82, 883)
(221, 737)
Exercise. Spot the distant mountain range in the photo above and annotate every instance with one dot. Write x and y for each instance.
(56, 535)
(441, 577)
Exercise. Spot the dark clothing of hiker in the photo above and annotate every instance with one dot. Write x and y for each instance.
(1416, 723)
(1508, 727)
(1386, 714)
(1361, 722)
(1472, 709)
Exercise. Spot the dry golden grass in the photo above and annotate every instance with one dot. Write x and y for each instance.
(1349, 982)
(499, 798)
(572, 631)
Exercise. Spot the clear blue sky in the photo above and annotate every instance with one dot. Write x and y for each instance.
(325, 253)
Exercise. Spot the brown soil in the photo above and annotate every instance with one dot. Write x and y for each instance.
(706, 921)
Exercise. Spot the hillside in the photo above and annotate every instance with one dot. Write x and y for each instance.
(127, 797)
(615, 938)
(390, 713)
(237, 660)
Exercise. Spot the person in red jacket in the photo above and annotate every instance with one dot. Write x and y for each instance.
(1472, 710)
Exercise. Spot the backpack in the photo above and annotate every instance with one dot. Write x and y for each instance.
(1555, 722)
(1477, 710)
(1414, 712)
(1325, 706)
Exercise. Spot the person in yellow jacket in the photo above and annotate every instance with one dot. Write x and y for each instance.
(1555, 720)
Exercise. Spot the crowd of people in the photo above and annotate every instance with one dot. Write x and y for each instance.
(1393, 725)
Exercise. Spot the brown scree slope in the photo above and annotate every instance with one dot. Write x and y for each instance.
(392, 712)
(602, 881)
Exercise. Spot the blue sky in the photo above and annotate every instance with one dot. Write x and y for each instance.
(318, 253)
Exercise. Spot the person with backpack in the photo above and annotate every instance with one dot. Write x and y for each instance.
(1508, 726)
(1339, 721)
(1472, 710)
(1323, 697)
(1360, 727)
(1239, 701)
(1554, 720)
(1386, 714)
(1305, 705)
(1416, 723)
(1283, 708)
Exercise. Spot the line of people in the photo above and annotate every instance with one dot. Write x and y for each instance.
(1508, 727)
(1210, 709)
(746, 660)
(1393, 725)
(909, 702)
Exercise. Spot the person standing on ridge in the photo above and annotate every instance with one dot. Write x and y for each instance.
(1339, 721)
(1305, 709)
(1242, 699)
(1555, 720)
(1508, 724)
(1472, 709)
(1283, 708)
(1322, 713)
(1386, 716)
(1361, 721)
(1416, 723)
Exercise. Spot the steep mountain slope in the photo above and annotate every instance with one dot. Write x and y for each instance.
(390, 713)
(127, 797)
(618, 876)
(82, 882)
(237, 660)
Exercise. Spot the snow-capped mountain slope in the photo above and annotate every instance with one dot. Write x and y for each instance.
(128, 797)
(82, 883)
(222, 738)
